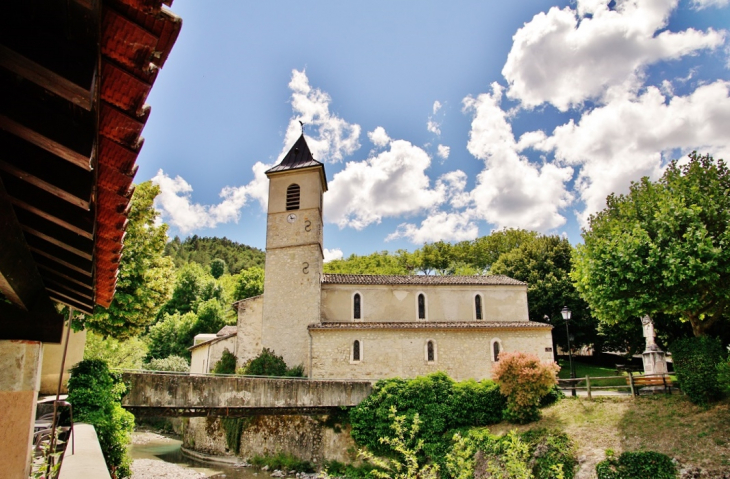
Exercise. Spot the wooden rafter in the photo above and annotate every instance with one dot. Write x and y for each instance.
(45, 78)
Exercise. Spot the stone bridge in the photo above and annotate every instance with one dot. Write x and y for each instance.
(182, 394)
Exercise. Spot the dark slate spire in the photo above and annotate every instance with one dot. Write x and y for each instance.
(298, 157)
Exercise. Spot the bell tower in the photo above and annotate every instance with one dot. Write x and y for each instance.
(294, 254)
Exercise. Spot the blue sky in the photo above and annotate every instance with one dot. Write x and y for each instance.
(436, 120)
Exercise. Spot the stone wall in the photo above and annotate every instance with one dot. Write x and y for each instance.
(306, 437)
(443, 302)
(402, 353)
(205, 357)
(250, 321)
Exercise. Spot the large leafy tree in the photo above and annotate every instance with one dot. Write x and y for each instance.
(249, 283)
(544, 263)
(143, 285)
(662, 248)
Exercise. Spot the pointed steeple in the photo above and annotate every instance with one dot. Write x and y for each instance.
(298, 157)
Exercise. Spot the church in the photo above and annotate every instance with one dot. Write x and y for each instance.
(342, 326)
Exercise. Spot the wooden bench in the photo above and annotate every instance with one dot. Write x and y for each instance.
(654, 380)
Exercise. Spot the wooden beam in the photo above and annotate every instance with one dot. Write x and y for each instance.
(21, 283)
(51, 218)
(44, 142)
(63, 286)
(42, 323)
(67, 264)
(44, 185)
(57, 242)
(45, 78)
(35, 197)
(84, 308)
(60, 276)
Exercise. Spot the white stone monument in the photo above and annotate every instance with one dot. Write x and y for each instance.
(654, 360)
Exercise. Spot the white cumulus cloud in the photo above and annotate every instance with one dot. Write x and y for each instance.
(379, 137)
(438, 226)
(443, 151)
(567, 56)
(630, 137)
(333, 138)
(392, 184)
(332, 254)
(700, 4)
(177, 207)
(511, 191)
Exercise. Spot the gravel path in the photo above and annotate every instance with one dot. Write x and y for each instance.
(152, 469)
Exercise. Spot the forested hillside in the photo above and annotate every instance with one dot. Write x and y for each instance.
(203, 250)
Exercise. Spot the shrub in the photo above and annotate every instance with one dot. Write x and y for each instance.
(637, 465)
(233, 428)
(441, 404)
(550, 450)
(405, 445)
(96, 393)
(695, 362)
(283, 462)
(538, 454)
(227, 363)
(525, 380)
(269, 364)
(171, 363)
(723, 373)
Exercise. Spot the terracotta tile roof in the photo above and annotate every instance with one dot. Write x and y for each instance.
(350, 325)
(418, 279)
(136, 39)
(226, 330)
(211, 341)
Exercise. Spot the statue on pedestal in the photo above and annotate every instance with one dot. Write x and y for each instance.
(654, 360)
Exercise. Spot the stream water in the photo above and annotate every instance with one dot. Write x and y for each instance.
(169, 450)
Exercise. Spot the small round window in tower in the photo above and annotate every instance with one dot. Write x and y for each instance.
(292, 197)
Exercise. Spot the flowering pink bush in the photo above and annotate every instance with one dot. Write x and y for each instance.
(524, 379)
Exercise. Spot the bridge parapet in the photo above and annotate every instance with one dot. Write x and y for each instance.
(201, 395)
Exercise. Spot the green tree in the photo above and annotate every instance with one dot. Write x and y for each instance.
(544, 263)
(217, 268)
(96, 395)
(249, 283)
(661, 248)
(143, 284)
(171, 363)
(128, 354)
(171, 336)
(486, 250)
(227, 363)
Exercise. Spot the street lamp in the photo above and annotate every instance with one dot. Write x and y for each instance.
(566, 317)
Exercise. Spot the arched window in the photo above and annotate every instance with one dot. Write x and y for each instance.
(496, 349)
(356, 350)
(421, 306)
(478, 306)
(430, 352)
(356, 310)
(292, 197)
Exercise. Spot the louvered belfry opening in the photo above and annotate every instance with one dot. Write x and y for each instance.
(292, 197)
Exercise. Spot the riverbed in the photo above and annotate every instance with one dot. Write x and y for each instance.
(157, 456)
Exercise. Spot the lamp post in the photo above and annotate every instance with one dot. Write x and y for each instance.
(566, 317)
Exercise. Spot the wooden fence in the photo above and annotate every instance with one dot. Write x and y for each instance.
(631, 382)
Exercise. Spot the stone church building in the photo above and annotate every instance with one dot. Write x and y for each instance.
(341, 326)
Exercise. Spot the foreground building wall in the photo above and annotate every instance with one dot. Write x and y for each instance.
(20, 365)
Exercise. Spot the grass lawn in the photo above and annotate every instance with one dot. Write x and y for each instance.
(584, 369)
(669, 424)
